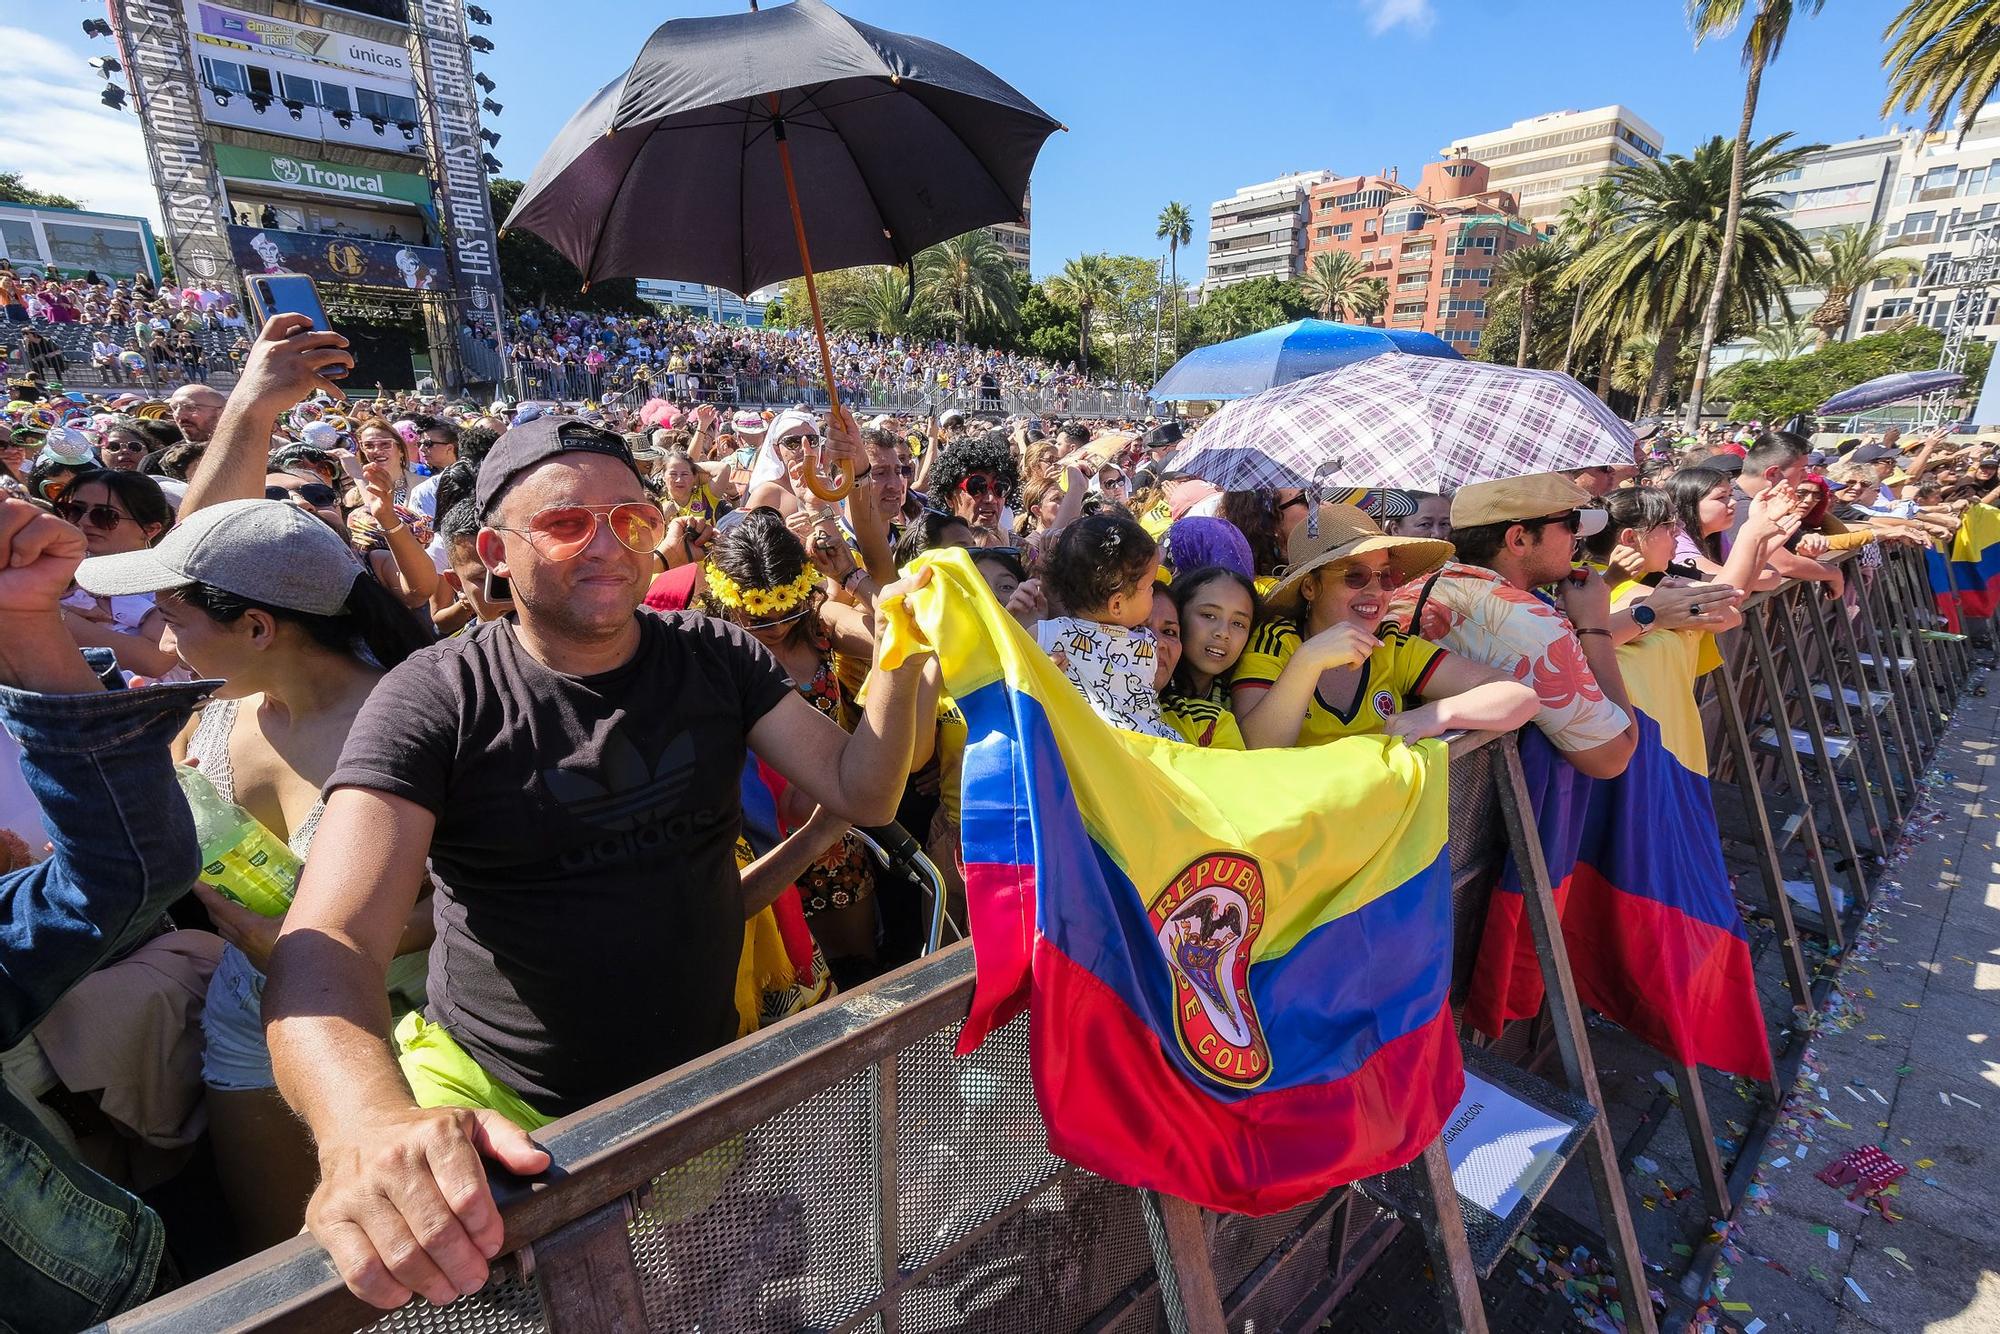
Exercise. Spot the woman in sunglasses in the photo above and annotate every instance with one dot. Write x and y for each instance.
(120, 512)
(124, 446)
(1323, 666)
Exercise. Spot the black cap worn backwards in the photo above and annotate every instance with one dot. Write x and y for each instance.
(533, 442)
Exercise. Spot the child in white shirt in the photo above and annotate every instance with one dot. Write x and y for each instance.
(1101, 572)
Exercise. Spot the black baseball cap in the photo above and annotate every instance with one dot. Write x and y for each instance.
(534, 442)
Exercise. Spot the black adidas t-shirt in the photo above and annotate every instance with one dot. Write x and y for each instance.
(589, 913)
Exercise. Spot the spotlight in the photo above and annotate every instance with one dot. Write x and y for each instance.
(260, 102)
(96, 28)
(345, 119)
(222, 96)
(479, 44)
(105, 65)
(379, 124)
(113, 96)
(491, 163)
(492, 139)
(408, 127)
(296, 107)
(478, 15)
(485, 84)
(492, 108)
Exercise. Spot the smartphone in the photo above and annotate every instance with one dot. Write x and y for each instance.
(498, 589)
(291, 294)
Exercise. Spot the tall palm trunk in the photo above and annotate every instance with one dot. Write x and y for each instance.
(1083, 339)
(1666, 353)
(1718, 295)
(1607, 366)
(1174, 263)
(1527, 325)
(1575, 318)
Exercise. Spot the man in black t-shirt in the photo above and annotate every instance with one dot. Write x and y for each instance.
(572, 773)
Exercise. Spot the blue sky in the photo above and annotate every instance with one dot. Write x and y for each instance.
(1165, 99)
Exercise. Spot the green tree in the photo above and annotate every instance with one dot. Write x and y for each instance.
(1085, 283)
(15, 190)
(1846, 261)
(1248, 307)
(1176, 228)
(1371, 298)
(1332, 282)
(970, 279)
(1781, 340)
(1525, 277)
(533, 271)
(1942, 53)
(1590, 215)
(1768, 26)
(1779, 389)
(1499, 341)
(1650, 276)
(879, 302)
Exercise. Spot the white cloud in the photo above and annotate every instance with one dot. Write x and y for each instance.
(1416, 15)
(55, 132)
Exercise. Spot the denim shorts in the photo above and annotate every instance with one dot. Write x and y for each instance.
(235, 1057)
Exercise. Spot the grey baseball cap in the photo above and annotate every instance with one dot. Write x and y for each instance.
(267, 551)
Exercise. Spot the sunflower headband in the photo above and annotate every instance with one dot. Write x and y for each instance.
(761, 601)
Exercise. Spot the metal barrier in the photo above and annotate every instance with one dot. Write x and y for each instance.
(843, 1170)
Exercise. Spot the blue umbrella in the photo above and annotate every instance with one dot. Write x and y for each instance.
(1246, 366)
(1883, 389)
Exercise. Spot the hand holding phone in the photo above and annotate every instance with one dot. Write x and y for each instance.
(290, 361)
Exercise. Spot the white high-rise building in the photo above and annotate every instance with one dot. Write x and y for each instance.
(1545, 160)
(1943, 192)
(1260, 231)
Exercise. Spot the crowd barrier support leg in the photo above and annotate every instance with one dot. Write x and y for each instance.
(1849, 721)
(1765, 849)
(1843, 664)
(1793, 772)
(1904, 638)
(1566, 1014)
(586, 1277)
(1701, 1141)
(1181, 1259)
(1908, 728)
(1829, 766)
(1921, 616)
(1443, 1226)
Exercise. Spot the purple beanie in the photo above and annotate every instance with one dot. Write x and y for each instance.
(1195, 541)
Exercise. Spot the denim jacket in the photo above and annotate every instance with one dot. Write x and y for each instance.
(74, 1248)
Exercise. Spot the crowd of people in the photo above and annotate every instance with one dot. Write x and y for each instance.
(501, 678)
(125, 331)
(707, 361)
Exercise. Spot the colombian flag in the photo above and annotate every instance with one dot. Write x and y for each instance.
(1967, 582)
(1650, 921)
(780, 971)
(1238, 963)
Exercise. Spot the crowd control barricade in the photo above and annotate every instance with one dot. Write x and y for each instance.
(844, 1170)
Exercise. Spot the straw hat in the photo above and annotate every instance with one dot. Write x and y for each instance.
(1344, 531)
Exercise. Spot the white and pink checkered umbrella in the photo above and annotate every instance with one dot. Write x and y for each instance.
(1407, 423)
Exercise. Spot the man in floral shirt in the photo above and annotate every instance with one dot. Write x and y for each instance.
(1515, 537)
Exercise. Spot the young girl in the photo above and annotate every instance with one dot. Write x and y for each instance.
(1216, 606)
(1101, 574)
(120, 512)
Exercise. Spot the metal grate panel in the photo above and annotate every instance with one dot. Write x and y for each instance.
(1302, 1267)
(969, 1140)
(1241, 1243)
(757, 1234)
(508, 1304)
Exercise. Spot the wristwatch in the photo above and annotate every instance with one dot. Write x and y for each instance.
(1643, 616)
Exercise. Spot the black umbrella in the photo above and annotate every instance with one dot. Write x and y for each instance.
(691, 165)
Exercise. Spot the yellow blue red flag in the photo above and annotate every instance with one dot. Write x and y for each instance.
(1966, 580)
(1237, 963)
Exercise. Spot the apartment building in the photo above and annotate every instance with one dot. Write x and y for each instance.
(1260, 231)
(1844, 184)
(1013, 236)
(1545, 160)
(1943, 194)
(1434, 245)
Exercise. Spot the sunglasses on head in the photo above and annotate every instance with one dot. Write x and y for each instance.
(559, 532)
(91, 516)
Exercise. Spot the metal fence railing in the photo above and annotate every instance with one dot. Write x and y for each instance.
(845, 1171)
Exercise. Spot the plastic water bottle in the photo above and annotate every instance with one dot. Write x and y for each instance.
(239, 856)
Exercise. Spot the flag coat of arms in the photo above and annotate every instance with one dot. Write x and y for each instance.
(1237, 963)
(1649, 917)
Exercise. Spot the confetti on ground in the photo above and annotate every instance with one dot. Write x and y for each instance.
(1857, 1289)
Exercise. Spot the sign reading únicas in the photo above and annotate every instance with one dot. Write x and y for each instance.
(340, 179)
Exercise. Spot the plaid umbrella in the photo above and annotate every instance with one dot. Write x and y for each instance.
(1409, 423)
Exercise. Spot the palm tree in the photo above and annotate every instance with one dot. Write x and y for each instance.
(1590, 215)
(1649, 277)
(1371, 298)
(1527, 275)
(1781, 340)
(1084, 284)
(1332, 282)
(879, 302)
(970, 277)
(1942, 53)
(1710, 18)
(1846, 262)
(1176, 229)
